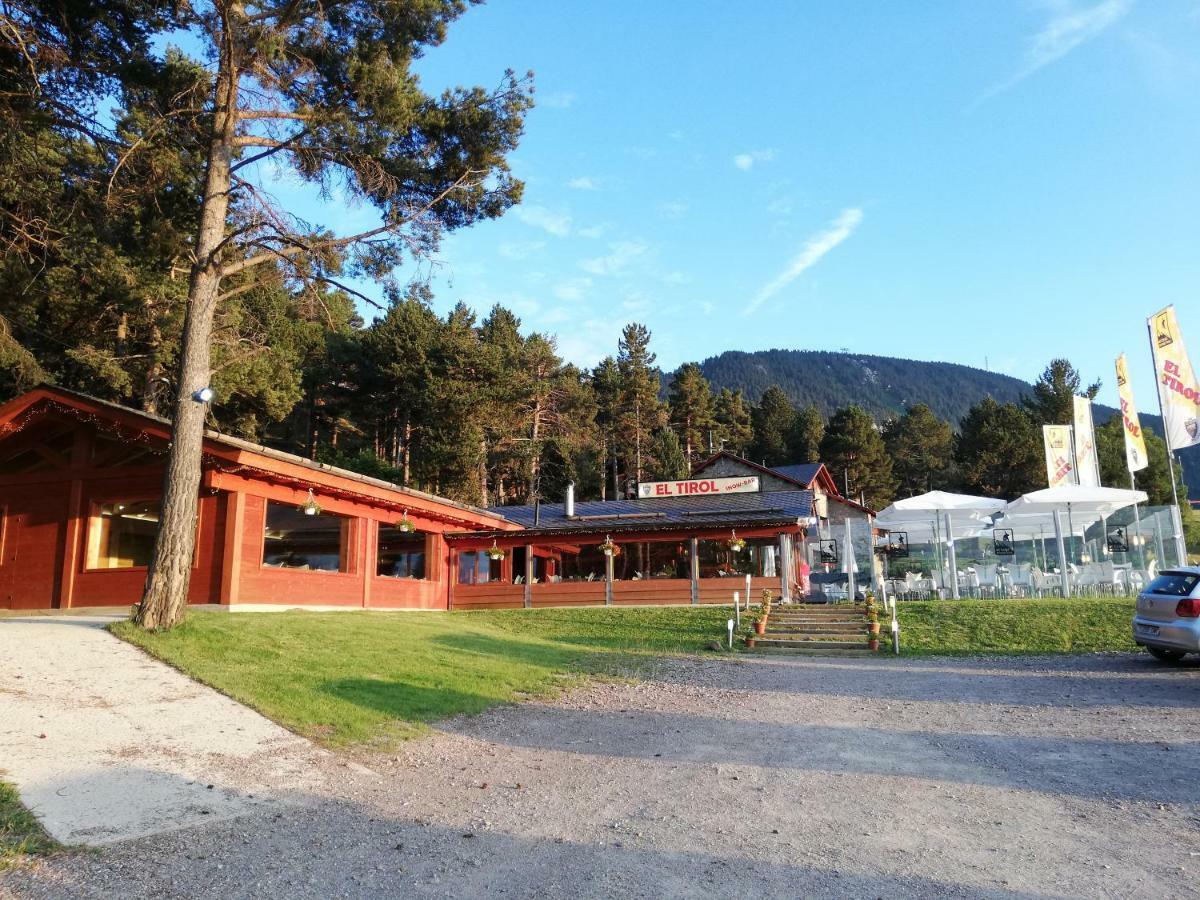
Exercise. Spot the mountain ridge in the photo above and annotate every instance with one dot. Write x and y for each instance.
(885, 385)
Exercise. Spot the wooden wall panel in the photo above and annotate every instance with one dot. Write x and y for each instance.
(652, 592)
(568, 593)
(497, 595)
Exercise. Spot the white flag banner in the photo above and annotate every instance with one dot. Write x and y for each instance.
(1060, 467)
(1087, 462)
(1136, 458)
(1178, 390)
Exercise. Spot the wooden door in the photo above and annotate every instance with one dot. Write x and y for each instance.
(31, 546)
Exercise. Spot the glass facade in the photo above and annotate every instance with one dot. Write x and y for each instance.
(476, 567)
(759, 558)
(294, 540)
(401, 554)
(653, 559)
(122, 534)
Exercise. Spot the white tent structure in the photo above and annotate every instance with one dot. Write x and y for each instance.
(939, 517)
(1067, 509)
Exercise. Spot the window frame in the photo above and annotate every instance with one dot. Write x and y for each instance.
(426, 545)
(92, 530)
(351, 529)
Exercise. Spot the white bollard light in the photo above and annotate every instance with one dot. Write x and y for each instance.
(737, 609)
(729, 625)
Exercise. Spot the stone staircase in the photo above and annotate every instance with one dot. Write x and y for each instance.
(825, 629)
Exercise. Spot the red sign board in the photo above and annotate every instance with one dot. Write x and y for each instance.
(697, 487)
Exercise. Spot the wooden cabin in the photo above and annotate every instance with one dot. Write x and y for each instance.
(80, 481)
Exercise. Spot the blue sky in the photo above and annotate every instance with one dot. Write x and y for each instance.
(998, 182)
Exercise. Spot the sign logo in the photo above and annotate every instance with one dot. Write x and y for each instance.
(1162, 330)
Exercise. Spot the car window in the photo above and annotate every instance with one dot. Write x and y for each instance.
(1176, 584)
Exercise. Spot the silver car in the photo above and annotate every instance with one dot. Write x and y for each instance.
(1167, 621)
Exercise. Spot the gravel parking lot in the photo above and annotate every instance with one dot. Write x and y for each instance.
(1013, 777)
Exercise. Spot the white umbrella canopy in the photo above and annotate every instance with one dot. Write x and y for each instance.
(924, 517)
(1093, 502)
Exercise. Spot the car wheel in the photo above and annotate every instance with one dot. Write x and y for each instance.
(1162, 654)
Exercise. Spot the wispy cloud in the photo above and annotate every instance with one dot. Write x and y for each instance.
(520, 249)
(747, 161)
(593, 231)
(558, 99)
(621, 255)
(673, 209)
(572, 289)
(1066, 30)
(584, 183)
(810, 254)
(556, 223)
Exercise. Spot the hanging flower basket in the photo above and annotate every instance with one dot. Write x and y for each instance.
(735, 543)
(608, 548)
(496, 552)
(310, 507)
(405, 524)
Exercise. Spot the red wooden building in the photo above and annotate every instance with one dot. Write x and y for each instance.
(80, 481)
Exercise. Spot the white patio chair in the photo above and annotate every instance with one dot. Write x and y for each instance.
(1043, 583)
(968, 583)
(988, 579)
(1020, 583)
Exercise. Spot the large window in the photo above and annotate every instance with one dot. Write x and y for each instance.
(760, 558)
(122, 534)
(294, 540)
(401, 553)
(652, 559)
(476, 567)
(569, 562)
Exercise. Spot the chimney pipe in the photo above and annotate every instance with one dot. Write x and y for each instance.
(570, 500)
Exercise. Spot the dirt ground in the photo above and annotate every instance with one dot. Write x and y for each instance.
(778, 777)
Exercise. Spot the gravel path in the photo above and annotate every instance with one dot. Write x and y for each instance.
(779, 777)
(106, 744)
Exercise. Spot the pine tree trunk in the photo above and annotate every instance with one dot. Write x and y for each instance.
(165, 597)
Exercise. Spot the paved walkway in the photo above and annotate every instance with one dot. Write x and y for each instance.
(106, 744)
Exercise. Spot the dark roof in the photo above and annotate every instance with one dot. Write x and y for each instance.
(667, 513)
(803, 473)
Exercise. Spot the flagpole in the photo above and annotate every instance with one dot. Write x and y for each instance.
(1180, 549)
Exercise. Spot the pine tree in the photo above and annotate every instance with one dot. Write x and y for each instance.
(853, 451)
(922, 450)
(639, 413)
(1000, 451)
(773, 420)
(606, 385)
(1053, 393)
(669, 461)
(691, 406)
(734, 430)
(804, 441)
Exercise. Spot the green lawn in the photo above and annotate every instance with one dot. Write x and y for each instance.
(20, 833)
(360, 677)
(364, 677)
(1079, 625)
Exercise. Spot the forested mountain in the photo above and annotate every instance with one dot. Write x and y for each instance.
(885, 386)
(881, 385)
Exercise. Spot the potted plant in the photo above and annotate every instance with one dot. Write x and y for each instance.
(764, 613)
(495, 551)
(735, 543)
(873, 643)
(873, 620)
(405, 524)
(608, 548)
(751, 641)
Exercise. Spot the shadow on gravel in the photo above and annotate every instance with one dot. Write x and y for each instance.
(323, 848)
(1086, 768)
(1107, 681)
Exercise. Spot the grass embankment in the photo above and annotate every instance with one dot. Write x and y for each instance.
(955, 627)
(345, 678)
(21, 834)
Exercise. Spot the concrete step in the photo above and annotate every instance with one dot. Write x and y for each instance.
(787, 643)
(807, 651)
(816, 627)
